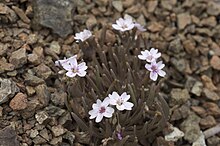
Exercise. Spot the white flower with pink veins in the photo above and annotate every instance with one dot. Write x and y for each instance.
(155, 70)
(72, 67)
(101, 109)
(121, 102)
(149, 56)
(124, 24)
(82, 36)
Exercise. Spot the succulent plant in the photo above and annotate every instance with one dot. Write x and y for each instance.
(116, 67)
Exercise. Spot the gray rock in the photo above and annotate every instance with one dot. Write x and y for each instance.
(70, 137)
(197, 88)
(55, 47)
(8, 137)
(179, 64)
(8, 89)
(56, 140)
(33, 105)
(64, 118)
(42, 117)
(54, 14)
(175, 46)
(117, 5)
(39, 140)
(44, 134)
(213, 8)
(58, 130)
(179, 96)
(18, 58)
(58, 98)
(43, 71)
(43, 94)
(32, 80)
(33, 133)
(54, 111)
(191, 128)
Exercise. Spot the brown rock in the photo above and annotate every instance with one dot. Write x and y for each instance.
(34, 59)
(183, 20)
(43, 94)
(3, 48)
(21, 14)
(151, 6)
(18, 58)
(155, 27)
(3, 9)
(199, 110)
(207, 122)
(208, 83)
(43, 71)
(168, 32)
(168, 4)
(212, 109)
(91, 22)
(210, 21)
(179, 96)
(215, 62)
(213, 8)
(135, 9)
(19, 102)
(190, 48)
(211, 94)
(4, 66)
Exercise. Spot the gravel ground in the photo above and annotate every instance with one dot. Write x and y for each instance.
(35, 34)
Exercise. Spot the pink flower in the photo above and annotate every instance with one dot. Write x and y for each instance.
(121, 102)
(123, 24)
(84, 35)
(149, 56)
(155, 70)
(72, 67)
(100, 110)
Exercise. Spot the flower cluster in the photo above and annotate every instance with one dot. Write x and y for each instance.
(127, 24)
(72, 67)
(154, 67)
(102, 109)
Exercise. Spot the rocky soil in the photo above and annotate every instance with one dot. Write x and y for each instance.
(35, 34)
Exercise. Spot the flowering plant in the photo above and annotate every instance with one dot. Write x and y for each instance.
(118, 103)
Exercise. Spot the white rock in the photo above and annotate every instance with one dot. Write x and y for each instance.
(200, 141)
(175, 135)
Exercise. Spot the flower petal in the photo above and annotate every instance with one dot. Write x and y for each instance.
(82, 66)
(125, 97)
(99, 118)
(160, 65)
(142, 57)
(93, 114)
(128, 105)
(71, 74)
(153, 76)
(81, 73)
(120, 107)
(148, 67)
(105, 102)
(161, 73)
(109, 112)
